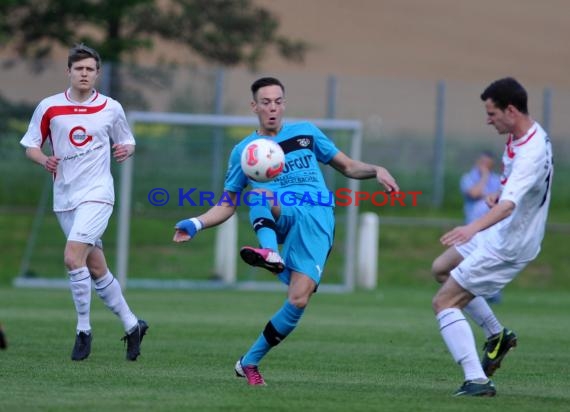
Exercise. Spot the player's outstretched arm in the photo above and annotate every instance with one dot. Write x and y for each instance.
(462, 234)
(356, 169)
(188, 228)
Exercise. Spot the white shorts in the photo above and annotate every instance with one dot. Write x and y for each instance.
(86, 223)
(481, 272)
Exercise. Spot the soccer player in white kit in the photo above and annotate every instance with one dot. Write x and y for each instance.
(485, 255)
(79, 124)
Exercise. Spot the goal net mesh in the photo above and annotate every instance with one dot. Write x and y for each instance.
(179, 156)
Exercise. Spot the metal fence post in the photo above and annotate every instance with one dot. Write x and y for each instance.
(218, 138)
(439, 147)
(546, 109)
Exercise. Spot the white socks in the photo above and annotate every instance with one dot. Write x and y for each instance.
(109, 290)
(80, 285)
(480, 311)
(458, 337)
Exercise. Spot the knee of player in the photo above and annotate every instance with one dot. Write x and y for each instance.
(437, 304)
(72, 261)
(97, 272)
(447, 298)
(440, 277)
(299, 301)
(439, 272)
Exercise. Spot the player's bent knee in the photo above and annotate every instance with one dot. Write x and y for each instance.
(440, 277)
(300, 302)
(439, 272)
(437, 304)
(72, 262)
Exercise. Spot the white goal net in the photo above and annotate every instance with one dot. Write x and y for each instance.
(178, 156)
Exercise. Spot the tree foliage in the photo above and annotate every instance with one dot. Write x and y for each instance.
(227, 32)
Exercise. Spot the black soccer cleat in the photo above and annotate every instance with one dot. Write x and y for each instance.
(495, 349)
(134, 338)
(82, 347)
(3, 340)
(473, 388)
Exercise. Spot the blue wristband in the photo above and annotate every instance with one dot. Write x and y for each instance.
(190, 226)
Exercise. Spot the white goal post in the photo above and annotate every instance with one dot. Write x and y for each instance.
(126, 178)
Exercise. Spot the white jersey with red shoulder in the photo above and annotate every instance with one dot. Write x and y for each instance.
(526, 181)
(79, 136)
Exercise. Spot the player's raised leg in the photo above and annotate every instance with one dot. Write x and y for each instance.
(262, 215)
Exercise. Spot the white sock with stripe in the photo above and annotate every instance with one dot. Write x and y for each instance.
(109, 290)
(482, 314)
(458, 337)
(80, 286)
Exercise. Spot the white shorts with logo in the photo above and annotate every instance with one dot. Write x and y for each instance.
(481, 272)
(86, 223)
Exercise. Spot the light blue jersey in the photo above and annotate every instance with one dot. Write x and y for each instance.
(305, 145)
(305, 227)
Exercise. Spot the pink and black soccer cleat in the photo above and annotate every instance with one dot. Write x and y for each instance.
(264, 258)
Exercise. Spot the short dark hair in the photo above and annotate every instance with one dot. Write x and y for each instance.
(80, 52)
(505, 92)
(263, 82)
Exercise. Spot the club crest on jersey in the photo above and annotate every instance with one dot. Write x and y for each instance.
(78, 136)
(304, 142)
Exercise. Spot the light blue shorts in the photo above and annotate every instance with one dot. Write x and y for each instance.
(306, 233)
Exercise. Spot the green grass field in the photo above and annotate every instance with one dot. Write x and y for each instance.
(367, 351)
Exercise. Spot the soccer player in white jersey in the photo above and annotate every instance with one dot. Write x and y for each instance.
(486, 254)
(79, 124)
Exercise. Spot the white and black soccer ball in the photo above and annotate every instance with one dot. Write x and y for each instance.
(262, 160)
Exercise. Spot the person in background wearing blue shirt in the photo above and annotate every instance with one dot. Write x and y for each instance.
(304, 227)
(476, 185)
(480, 182)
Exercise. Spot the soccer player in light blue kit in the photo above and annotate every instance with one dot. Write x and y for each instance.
(294, 210)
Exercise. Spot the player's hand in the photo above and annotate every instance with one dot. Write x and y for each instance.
(181, 236)
(457, 235)
(122, 152)
(185, 230)
(491, 200)
(385, 178)
(51, 164)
